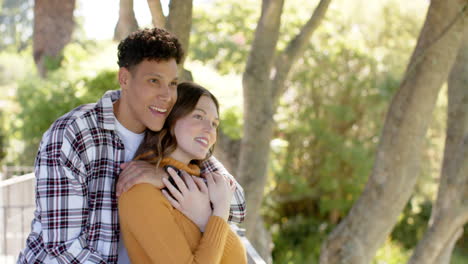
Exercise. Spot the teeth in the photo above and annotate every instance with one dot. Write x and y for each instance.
(204, 141)
(162, 110)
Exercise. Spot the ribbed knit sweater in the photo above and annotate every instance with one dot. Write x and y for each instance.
(155, 232)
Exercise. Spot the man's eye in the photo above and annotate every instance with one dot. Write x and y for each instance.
(173, 84)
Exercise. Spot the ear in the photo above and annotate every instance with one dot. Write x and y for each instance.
(124, 77)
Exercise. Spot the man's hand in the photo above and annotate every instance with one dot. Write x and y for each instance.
(192, 200)
(139, 171)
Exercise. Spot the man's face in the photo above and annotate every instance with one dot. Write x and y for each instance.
(149, 91)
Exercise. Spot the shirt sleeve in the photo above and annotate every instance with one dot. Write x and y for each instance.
(237, 210)
(150, 229)
(61, 198)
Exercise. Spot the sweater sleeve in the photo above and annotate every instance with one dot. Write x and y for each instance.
(234, 251)
(146, 219)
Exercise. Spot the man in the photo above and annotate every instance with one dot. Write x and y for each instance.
(81, 156)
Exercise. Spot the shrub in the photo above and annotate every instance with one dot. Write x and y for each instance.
(42, 101)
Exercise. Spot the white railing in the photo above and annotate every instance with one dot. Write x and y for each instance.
(16, 213)
(8, 172)
(252, 255)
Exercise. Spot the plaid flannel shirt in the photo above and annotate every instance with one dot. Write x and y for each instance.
(77, 166)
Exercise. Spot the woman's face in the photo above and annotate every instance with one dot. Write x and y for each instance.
(196, 132)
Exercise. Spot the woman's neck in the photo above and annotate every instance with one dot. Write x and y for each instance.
(192, 169)
(180, 156)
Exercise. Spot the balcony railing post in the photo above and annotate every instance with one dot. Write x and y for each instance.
(4, 231)
(252, 255)
(22, 224)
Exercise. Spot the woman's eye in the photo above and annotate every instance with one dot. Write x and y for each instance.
(154, 81)
(197, 116)
(215, 124)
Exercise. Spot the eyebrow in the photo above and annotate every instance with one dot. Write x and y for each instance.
(160, 76)
(199, 109)
(154, 74)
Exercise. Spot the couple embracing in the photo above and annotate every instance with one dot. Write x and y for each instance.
(131, 178)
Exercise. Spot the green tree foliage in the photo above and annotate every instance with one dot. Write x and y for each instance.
(231, 122)
(16, 18)
(223, 39)
(331, 136)
(297, 239)
(330, 133)
(44, 100)
(33, 103)
(412, 224)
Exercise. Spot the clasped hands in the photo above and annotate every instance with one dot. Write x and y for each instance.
(193, 197)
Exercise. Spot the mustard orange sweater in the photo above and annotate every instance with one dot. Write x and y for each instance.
(155, 232)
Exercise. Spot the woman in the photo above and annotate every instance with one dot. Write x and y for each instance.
(154, 231)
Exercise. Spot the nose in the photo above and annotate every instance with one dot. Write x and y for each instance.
(164, 92)
(209, 127)
(210, 130)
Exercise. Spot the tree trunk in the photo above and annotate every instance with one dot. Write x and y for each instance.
(262, 91)
(262, 240)
(449, 214)
(227, 151)
(258, 110)
(439, 236)
(53, 27)
(263, 84)
(127, 22)
(159, 20)
(179, 22)
(396, 167)
(446, 255)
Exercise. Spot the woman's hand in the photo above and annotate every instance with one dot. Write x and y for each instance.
(192, 198)
(220, 191)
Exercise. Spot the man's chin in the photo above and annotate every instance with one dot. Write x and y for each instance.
(156, 128)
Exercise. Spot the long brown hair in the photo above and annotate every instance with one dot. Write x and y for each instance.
(158, 145)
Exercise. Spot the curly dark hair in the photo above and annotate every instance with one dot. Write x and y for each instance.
(150, 44)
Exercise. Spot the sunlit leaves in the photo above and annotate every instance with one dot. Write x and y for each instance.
(222, 38)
